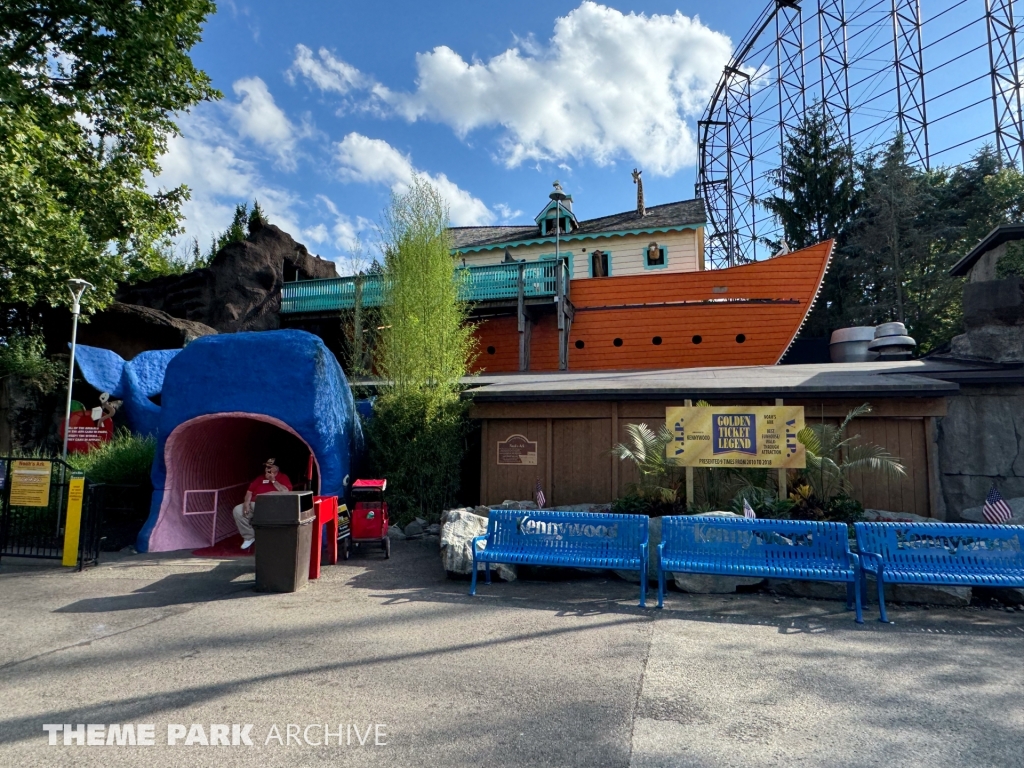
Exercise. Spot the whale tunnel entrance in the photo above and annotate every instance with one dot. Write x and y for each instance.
(210, 462)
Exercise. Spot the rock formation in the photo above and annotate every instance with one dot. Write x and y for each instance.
(129, 329)
(240, 290)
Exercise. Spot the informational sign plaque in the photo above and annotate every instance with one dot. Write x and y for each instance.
(30, 483)
(737, 436)
(517, 450)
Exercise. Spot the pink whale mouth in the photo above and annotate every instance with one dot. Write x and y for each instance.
(210, 460)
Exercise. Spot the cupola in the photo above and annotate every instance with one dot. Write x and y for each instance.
(558, 209)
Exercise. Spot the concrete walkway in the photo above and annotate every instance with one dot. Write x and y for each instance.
(528, 674)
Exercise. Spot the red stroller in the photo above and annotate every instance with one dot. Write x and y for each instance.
(368, 521)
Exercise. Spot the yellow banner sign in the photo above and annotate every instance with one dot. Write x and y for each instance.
(737, 436)
(30, 483)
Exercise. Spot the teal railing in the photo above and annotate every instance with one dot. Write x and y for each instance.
(494, 282)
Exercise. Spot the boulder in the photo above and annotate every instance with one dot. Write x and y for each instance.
(816, 590)
(413, 530)
(457, 536)
(884, 516)
(583, 508)
(482, 511)
(976, 514)
(513, 504)
(929, 594)
(129, 329)
(702, 584)
(241, 288)
(995, 343)
(396, 533)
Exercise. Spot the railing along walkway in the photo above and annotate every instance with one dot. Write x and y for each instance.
(494, 282)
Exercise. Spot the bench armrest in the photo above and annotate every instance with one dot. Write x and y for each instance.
(473, 546)
(871, 561)
(854, 561)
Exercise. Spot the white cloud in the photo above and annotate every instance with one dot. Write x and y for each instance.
(374, 161)
(257, 117)
(506, 214)
(204, 157)
(606, 85)
(327, 73)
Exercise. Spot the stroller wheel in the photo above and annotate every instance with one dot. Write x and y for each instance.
(387, 548)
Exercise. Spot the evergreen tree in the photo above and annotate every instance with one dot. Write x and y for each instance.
(817, 196)
(816, 182)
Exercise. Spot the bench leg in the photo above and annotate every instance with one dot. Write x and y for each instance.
(487, 571)
(661, 586)
(643, 584)
(472, 579)
(858, 599)
(882, 617)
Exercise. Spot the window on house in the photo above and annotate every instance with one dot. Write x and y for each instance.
(599, 264)
(656, 256)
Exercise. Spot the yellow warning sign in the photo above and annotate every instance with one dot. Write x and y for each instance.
(73, 521)
(30, 483)
(736, 436)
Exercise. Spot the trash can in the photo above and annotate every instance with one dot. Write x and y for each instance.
(284, 529)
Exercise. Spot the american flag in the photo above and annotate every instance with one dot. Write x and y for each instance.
(748, 511)
(996, 511)
(539, 495)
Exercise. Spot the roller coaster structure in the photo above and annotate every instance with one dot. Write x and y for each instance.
(867, 63)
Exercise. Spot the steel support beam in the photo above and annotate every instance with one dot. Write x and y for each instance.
(908, 63)
(1006, 85)
(789, 53)
(834, 63)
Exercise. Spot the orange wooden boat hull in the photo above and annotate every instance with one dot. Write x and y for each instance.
(746, 315)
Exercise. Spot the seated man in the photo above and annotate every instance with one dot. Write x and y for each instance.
(273, 480)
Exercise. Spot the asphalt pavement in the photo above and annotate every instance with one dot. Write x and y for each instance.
(405, 669)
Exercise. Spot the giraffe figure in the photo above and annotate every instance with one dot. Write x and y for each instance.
(640, 209)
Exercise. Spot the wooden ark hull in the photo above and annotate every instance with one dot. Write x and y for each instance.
(747, 315)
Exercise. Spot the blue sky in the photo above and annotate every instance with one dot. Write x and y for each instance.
(329, 107)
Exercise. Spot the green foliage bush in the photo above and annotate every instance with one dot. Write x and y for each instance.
(419, 449)
(24, 357)
(125, 460)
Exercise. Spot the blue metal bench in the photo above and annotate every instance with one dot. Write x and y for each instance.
(778, 549)
(951, 554)
(569, 539)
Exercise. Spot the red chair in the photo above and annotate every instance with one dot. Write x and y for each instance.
(326, 508)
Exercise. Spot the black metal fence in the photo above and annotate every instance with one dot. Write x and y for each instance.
(33, 511)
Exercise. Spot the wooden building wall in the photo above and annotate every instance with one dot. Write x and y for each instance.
(574, 443)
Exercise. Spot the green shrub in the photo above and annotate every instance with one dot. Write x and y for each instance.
(24, 357)
(418, 446)
(417, 436)
(125, 460)
(764, 503)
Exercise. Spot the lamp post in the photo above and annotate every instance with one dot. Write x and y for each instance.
(77, 288)
(560, 290)
(558, 196)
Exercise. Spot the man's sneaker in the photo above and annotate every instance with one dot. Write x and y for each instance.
(246, 543)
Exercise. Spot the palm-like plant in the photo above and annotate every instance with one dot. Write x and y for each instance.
(646, 449)
(832, 456)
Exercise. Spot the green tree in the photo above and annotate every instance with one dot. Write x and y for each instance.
(816, 182)
(417, 435)
(817, 196)
(88, 90)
